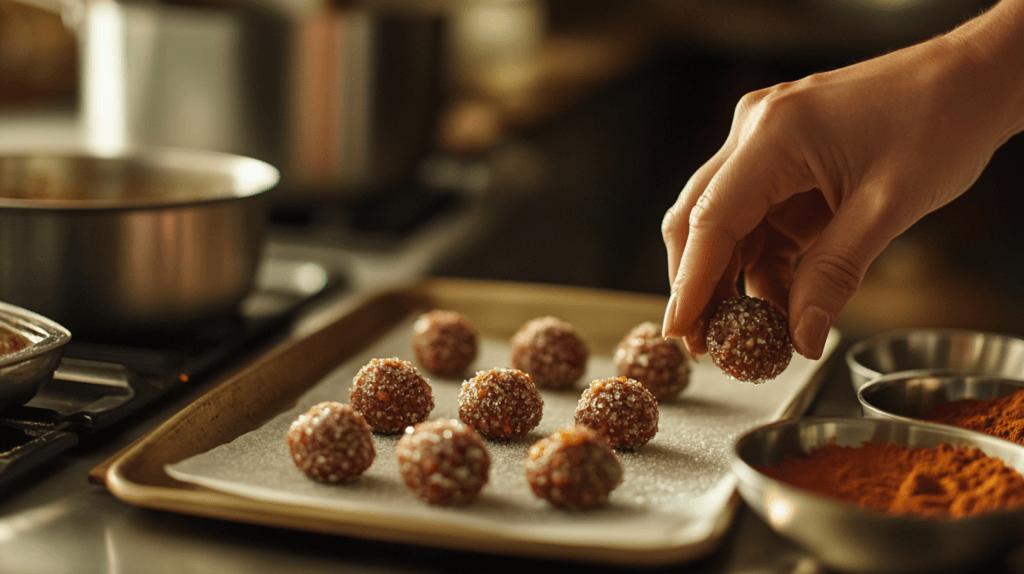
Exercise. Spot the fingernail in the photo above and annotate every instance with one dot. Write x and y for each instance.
(668, 324)
(811, 332)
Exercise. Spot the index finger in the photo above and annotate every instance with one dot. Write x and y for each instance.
(735, 201)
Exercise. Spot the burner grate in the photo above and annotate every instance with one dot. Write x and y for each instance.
(98, 385)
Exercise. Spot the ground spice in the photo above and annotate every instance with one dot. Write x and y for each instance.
(943, 482)
(1002, 417)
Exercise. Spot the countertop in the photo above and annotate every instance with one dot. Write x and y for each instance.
(58, 522)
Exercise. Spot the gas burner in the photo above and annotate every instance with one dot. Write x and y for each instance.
(99, 384)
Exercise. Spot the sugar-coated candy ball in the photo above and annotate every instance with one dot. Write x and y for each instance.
(501, 403)
(391, 395)
(331, 442)
(621, 410)
(550, 351)
(748, 338)
(574, 469)
(444, 342)
(655, 362)
(443, 462)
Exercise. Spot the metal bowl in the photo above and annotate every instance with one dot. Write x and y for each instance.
(846, 537)
(948, 349)
(910, 394)
(151, 241)
(24, 372)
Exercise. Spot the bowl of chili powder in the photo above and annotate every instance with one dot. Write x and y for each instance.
(979, 403)
(884, 495)
(957, 350)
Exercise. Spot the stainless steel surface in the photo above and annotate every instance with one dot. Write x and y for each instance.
(180, 74)
(951, 349)
(909, 395)
(154, 240)
(847, 537)
(24, 372)
(341, 101)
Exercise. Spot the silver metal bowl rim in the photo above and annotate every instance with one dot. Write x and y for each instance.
(745, 472)
(895, 334)
(55, 337)
(264, 176)
(891, 378)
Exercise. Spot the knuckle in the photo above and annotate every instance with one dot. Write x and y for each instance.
(671, 222)
(842, 271)
(699, 215)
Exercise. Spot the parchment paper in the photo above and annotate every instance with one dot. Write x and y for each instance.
(674, 489)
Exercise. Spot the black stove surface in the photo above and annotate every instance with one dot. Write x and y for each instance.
(99, 384)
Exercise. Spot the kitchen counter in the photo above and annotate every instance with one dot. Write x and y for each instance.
(57, 521)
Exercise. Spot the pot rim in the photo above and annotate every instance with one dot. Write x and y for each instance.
(249, 177)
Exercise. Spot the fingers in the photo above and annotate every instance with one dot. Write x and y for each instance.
(833, 268)
(696, 338)
(675, 224)
(730, 207)
(771, 251)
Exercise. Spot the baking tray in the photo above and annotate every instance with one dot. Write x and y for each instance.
(643, 524)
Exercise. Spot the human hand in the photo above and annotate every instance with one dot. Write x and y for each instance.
(817, 176)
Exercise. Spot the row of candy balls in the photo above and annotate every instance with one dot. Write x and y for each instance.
(747, 338)
(552, 353)
(446, 461)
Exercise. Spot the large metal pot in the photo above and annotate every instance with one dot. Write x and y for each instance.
(151, 241)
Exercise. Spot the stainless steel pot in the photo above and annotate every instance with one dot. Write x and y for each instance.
(151, 241)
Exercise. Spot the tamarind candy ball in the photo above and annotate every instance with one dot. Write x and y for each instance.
(551, 352)
(573, 468)
(748, 339)
(331, 442)
(621, 410)
(655, 362)
(443, 462)
(391, 395)
(444, 342)
(501, 403)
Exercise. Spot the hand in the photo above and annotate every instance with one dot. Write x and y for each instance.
(817, 176)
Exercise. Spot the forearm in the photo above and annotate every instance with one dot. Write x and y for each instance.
(993, 45)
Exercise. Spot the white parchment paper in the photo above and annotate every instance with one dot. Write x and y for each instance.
(673, 493)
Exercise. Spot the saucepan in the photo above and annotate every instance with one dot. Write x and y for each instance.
(149, 242)
(30, 350)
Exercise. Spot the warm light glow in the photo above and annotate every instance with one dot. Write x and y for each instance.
(780, 509)
(104, 95)
(893, 5)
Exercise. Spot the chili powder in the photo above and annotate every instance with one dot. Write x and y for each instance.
(944, 482)
(1002, 417)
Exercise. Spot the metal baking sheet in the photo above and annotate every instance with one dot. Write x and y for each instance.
(675, 504)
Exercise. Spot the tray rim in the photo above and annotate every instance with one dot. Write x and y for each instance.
(133, 479)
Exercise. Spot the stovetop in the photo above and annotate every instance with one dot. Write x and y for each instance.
(100, 384)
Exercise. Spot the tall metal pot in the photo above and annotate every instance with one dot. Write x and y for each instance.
(150, 242)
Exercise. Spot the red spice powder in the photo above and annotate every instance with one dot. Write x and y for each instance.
(948, 481)
(1002, 417)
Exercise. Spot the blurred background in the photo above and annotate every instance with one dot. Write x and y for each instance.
(563, 128)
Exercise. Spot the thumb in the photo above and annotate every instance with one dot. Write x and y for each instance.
(831, 271)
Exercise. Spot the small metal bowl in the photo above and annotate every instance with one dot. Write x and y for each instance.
(24, 372)
(910, 394)
(846, 537)
(948, 349)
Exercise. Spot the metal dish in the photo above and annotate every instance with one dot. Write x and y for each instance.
(948, 349)
(909, 395)
(24, 372)
(148, 242)
(849, 538)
